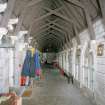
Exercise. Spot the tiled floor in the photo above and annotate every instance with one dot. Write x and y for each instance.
(55, 90)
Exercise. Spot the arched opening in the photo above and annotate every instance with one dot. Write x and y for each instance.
(77, 65)
(86, 69)
(70, 61)
(89, 68)
(91, 71)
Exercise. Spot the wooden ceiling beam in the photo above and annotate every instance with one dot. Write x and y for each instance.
(87, 15)
(65, 18)
(60, 37)
(76, 3)
(43, 26)
(53, 39)
(67, 29)
(42, 17)
(75, 14)
(70, 14)
(40, 32)
(102, 6)
(60, 15)
(8, 13)
(50, 32)
(33, 3)
(65, 33)
(50, 36)
(22, 15)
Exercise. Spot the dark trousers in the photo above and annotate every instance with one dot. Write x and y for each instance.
(69, 78)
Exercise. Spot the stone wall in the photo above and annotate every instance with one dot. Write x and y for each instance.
(92, 66)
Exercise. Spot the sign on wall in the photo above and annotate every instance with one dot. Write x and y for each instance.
(100, 50)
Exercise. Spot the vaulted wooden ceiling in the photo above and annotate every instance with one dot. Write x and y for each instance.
(53, 23)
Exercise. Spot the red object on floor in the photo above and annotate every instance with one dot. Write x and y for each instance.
(23, 81)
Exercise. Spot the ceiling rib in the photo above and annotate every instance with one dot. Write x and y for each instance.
(52, 39)
(56, 19)
(42, 17)
(58, 34)
(87, 15)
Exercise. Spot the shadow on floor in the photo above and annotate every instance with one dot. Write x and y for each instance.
(55, 91)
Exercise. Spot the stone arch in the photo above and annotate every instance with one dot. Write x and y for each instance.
(77, 64)
(87, 66)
